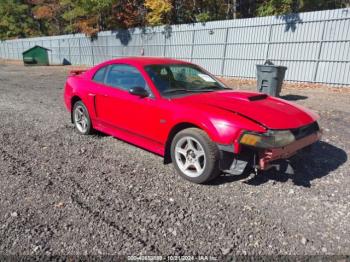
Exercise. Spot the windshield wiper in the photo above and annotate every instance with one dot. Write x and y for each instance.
(209, 89)
(202, 90)
(197, 90)
(217, 88)
(169, 91)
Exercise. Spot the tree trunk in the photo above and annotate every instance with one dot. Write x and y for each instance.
(234, 8)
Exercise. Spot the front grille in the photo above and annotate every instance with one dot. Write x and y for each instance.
(305, 130)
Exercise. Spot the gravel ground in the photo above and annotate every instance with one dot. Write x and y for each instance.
(62, 193)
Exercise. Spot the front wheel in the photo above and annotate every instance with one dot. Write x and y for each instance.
(195, 156)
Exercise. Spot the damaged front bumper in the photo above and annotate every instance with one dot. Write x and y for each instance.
(268, 155)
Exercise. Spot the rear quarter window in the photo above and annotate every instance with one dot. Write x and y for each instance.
(100, 75)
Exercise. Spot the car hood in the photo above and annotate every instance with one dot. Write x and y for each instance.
(271, 112)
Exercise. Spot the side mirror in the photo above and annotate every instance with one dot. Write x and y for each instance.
(139, 91)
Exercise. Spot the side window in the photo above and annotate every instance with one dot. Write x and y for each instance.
(125, 77)
(180, 73)
(160, 77)
(100, 75)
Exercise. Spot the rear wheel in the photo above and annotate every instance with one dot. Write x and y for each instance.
(81, 118)
(195, 156)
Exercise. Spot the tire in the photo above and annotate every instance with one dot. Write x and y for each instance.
(194, 156)
(81, 119)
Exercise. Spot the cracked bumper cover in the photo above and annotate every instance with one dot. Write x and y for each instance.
(271, 154)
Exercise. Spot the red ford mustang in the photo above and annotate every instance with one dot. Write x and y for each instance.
(180, 111)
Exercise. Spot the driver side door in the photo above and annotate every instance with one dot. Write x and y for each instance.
(118, 109)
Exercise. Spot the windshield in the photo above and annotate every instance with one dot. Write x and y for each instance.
(175, 79)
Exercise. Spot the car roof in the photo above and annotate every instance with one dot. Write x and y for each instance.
(144, 60)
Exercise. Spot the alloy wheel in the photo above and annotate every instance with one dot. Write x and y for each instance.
(190, 156)
(81, 119)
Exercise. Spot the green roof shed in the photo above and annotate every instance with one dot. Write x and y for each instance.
(37, 55)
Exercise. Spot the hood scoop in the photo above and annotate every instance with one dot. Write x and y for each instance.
(257, 97)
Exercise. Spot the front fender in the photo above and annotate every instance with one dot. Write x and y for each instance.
(223, 127)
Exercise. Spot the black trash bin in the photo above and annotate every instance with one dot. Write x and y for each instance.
(270, 78)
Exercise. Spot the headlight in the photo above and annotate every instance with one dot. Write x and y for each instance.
(270, 139)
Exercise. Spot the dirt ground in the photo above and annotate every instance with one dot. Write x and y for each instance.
(66, 194)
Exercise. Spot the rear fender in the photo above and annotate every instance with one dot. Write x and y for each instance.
(77, 88)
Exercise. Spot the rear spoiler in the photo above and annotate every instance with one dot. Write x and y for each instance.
(76, 72)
